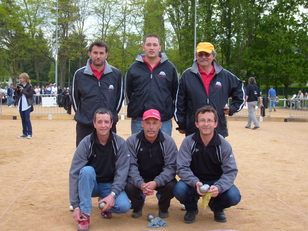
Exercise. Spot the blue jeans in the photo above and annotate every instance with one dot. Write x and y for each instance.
(137, 127)
(26, 123)
(88, 188)
(188, 196)
(10, 100)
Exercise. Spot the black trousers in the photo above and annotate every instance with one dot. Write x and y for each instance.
(137, 198)
(83, 130)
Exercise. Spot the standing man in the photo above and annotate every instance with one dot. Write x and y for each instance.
(252, 98)
(96, 85)
(10, 95)
(272, 97)
(99, 169)
(151, 82)
(153, 165)
(205, 157)
(207, 83)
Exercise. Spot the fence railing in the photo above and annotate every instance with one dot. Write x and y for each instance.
(48, 104)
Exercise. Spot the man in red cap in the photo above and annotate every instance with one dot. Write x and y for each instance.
(153, 165)
(207, 83)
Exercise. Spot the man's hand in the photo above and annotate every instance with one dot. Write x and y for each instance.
(148, 188)
(214, 190)
(109, 200)
(198, 185)
(78, 215)
(227, 110)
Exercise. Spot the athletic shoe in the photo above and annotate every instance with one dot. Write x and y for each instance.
(162, 214)
(137, 214)
(247, 126)
(106, 215)
(84, 224)
(22, 136)
(183, 208)
(220, 216)
(190, 217)
(29, 136)
(256, 127)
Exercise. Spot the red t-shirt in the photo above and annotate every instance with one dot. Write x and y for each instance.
(98, 74)
(207, 78)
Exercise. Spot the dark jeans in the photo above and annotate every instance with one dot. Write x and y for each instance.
(83, 130)
(188, 196)
(26, 123)
(164, 195)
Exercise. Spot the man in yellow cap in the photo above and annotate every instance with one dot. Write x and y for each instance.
(207, 83)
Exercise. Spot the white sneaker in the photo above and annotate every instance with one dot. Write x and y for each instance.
(183, 208)
(29, 136)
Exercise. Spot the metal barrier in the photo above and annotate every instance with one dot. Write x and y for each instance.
(47, 104)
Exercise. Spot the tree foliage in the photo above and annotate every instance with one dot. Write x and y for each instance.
(262, 38)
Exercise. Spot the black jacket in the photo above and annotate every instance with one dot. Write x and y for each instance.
(151, 90)
(89, 93)
(191, 96)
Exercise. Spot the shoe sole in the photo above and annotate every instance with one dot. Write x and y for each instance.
(190, 222)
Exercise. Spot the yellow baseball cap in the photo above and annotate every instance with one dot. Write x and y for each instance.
(205, 47)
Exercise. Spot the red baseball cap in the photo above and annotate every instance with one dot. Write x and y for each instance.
(152, 113)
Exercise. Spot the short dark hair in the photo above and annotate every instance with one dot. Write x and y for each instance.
(205, 109)
(152, 35)
(99, 44)
(252, 80)
(102, 111)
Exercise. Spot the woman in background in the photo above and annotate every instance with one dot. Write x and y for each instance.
(24, 99)
(252, 97)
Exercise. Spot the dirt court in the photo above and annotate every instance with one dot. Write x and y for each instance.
(272, 178)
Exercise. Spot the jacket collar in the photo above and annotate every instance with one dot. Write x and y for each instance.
(215, 141)
(160, 137)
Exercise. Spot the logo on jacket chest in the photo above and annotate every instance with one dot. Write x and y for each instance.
(162, 74)
(111, 88)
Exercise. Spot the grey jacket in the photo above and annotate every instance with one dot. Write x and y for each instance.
(220, 163)
(168, 164)
(81, 158)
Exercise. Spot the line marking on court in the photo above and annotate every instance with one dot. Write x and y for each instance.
(26, 186)
(267, 192)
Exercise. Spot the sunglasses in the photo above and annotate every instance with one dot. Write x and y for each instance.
(201, 54)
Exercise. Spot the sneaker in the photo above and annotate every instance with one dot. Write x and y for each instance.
(190, 217)
(256, 127)
(162, 214)
(137, 214)
(106, 215)
(183, 208)
(29, 136)
(247, 126)
(220, 216)
(22, 136)
(84, 224)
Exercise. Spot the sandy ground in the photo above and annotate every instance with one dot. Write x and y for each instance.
(272, 178)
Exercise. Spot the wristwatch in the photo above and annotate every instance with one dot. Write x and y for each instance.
(113, 194)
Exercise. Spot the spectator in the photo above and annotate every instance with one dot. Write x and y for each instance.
(24, 100)
(252, 98)
(10, 95)
(272, 97)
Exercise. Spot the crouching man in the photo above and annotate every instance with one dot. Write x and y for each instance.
(205, 157)
(153, 163)
(99, 169)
